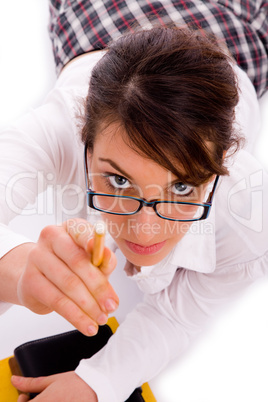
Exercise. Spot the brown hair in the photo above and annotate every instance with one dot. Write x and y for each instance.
(174, 91)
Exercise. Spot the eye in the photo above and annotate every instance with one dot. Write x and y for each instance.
(119, 182)
(181, 189)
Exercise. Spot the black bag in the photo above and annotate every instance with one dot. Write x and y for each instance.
(61, 353)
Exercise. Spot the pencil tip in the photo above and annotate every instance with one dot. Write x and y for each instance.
(100, 228)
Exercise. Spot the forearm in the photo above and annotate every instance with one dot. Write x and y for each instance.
(11, 267)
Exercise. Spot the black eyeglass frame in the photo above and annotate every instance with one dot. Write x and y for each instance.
(143, 202)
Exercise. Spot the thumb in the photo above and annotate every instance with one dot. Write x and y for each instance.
(29, 384)
(23, 398)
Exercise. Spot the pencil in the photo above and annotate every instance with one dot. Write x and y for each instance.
(98, 246)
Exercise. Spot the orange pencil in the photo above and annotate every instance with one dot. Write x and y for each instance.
(98, 246)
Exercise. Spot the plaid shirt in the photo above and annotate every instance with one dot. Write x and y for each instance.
(77, 27)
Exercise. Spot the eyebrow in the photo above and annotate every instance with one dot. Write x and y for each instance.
(125, 174)
(116, 167)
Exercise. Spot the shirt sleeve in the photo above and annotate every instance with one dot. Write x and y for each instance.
(38, 151)
(161, 328)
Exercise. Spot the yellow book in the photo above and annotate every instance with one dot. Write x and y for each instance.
(7, 392)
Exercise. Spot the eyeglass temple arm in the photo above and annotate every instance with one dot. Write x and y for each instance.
(86, 167)
(211, 194)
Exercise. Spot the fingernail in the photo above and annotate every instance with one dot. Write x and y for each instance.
(92, 330)
(102, 319)
(110, 305)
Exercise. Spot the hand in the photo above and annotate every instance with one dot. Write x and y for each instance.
(64, 387)
(59, 276)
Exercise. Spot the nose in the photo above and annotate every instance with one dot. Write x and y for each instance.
(145, 225)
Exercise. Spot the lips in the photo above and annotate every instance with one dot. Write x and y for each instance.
(145, 250)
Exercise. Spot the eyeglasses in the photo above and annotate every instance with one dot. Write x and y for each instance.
(127, 205)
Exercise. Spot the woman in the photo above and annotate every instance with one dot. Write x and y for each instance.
(159, 131)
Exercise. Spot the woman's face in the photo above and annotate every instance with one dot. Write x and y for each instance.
(115, 168)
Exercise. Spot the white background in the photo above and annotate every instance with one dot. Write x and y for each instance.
(230, 361)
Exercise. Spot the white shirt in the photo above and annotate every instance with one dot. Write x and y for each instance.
(215, 260)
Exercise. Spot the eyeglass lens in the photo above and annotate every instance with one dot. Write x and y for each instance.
(124, 205)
